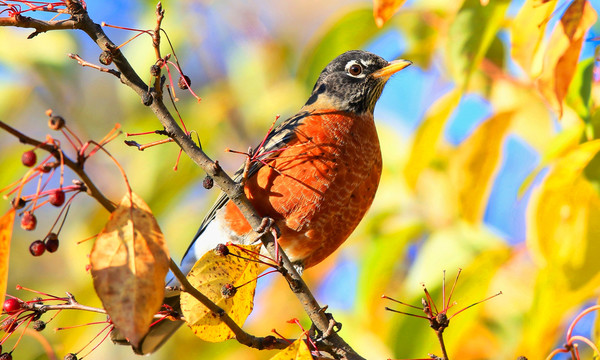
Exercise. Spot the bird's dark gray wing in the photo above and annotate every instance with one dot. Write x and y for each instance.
(276, 139)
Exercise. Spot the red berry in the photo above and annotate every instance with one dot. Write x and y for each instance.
(37, 248)
(57, 197)
(6, 356)
(11, 305)
(29, 158)
(28, 221)
(51, 242)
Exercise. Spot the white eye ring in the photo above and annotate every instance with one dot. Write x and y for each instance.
(354, 69)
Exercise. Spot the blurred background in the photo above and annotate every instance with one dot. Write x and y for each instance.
(465, 163)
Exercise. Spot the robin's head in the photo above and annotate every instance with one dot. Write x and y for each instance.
(353, 81)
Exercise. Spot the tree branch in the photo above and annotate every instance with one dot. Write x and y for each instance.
(234, 191)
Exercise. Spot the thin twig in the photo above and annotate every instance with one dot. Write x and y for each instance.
(84, 63)
(92, 190)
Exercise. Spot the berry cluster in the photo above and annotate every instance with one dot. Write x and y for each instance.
(18, 314)
(44, 171)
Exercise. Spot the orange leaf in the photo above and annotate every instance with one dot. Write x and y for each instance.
(129, 263)
(298, 350)
(6, 225)
(209, 275)
(561, 58)
(384, 9)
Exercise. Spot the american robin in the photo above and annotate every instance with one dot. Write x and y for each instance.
(316, 176)
(317, 172)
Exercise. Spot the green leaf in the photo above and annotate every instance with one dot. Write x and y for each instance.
(579, 94)
(470, 36)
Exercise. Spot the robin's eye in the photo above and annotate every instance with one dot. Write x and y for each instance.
(355, 69)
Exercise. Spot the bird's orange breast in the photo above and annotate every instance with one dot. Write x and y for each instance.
(319, 186)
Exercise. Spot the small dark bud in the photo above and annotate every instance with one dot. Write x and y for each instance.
(46, 167)
(105, 58)
(18, 203)
(56, 122)
(147, 99)
(39, 325)
(70, 356)
(38, 300)
(9, 325)
(228, 291)
(442, 319)
(269, 341)
(222, 250)
(208, 182)
(184, 82)
(6, 356)
(154, 70)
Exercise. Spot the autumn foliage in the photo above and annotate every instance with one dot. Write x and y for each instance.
(490, 144)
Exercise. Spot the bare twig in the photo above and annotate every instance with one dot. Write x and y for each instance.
(84, 63)
(40, 26)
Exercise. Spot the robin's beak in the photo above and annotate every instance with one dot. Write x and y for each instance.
(392, 68)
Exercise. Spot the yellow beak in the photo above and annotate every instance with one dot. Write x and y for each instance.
(392, 68)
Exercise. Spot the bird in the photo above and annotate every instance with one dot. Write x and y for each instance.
(316, 173)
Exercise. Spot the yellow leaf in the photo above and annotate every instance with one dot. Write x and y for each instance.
(210, 275)
(558, 146)
(298, 350)
(425, 143)
(562, 55)
(527, 32)
(129, 263)
(475, 163)
(384, 9)
(6, 225)
(564, 221)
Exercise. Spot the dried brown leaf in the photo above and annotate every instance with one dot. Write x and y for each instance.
(129, 263)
